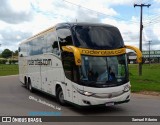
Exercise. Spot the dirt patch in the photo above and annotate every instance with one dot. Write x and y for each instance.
(149, 93)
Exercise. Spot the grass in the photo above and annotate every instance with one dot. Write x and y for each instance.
(8, 69)
(150, 79)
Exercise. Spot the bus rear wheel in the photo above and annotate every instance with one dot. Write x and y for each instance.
(60, 96)
(30, 86)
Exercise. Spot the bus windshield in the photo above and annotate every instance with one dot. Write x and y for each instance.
(106, 71)
(97, 37)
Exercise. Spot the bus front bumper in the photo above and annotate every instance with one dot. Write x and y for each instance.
(91, 101)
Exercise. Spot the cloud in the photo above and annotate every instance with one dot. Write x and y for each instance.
(15, 11)
(71, 11)
(150, 33)
(83, 15)
(19, 19)
(128, 29)
(157, 1)
(10, 38)
(91, 6)
(99, 4)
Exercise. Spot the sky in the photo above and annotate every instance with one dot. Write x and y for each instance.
(20, 19)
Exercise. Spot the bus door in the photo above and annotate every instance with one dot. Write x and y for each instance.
(67, 66)
(71, 77)
(71, 80)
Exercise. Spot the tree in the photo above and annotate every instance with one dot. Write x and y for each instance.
(15, 53)
(6, 53)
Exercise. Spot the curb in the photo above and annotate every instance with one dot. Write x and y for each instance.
(8, 76)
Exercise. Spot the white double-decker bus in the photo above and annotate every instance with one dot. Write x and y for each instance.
(81, 63)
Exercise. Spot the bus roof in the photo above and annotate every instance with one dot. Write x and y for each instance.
(59, 25)
(81, 24)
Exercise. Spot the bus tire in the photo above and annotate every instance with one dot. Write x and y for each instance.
(25, 82)
(27, 85)
(60, 96)
(30, 86)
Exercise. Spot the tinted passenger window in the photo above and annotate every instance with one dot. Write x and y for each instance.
(52, 43)
(37, 46)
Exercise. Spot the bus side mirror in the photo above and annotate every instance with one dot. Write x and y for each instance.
(75, 51)
(138, 52)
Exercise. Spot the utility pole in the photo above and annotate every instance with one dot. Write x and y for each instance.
(149, 43)
(141, 28)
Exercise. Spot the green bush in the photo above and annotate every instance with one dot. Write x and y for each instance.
(3, 61)
(13, 61)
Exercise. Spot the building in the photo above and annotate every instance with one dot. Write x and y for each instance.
(153, 56)
(131, 56)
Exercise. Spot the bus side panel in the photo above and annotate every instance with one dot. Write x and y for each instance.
(54, 76)
(34, 73)
(52, 73)
(76, 95)
(44, 77)
(22, 69)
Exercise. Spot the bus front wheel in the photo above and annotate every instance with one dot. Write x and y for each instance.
(60, 96)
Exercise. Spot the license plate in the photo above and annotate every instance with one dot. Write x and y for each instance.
(110, 104)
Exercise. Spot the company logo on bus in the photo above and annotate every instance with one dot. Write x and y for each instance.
(40, 62)
(103, 52)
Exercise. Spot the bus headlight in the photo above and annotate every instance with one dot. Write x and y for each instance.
(127, 88)
(88, 93)
(85, 92)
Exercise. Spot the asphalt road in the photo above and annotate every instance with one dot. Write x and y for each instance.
(16, 100)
